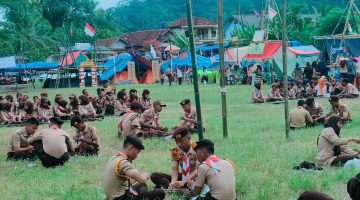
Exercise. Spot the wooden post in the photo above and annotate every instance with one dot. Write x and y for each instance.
(284, 49)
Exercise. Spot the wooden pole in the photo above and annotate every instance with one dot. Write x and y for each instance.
(222, 69)
(284, 48)
(194, 69)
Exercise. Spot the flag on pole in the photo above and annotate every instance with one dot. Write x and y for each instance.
(89, 30)
(212, 57)
(183, 55)
(271, 13)
(200, 52)
(256, 13)
(349, 28)
(152, 52)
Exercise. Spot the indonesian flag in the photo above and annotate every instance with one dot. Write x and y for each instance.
(349, 28)
(89, 30)
(272, 13)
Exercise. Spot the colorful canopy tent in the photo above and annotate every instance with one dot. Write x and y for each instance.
(74, 59)
(147, 78)
(237, 53)
(210, 47)
(120, 63)
(300, 54)
(332, 46)
(173, 48)
(263, 51)
(39, 66)
(185, 60)
(119, 77)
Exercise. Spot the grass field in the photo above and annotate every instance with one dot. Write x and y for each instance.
(256, 144)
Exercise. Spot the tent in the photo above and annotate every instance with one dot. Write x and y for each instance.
(121, 62)
(299, 54)
(147, 78)
(74, 59)
(185, 60)
(263, 50)
(39, 66)
(332, 47)
(119, 77)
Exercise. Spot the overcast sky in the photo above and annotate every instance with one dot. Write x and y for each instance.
(107, 3)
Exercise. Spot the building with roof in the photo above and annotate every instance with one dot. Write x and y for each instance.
(206, 31)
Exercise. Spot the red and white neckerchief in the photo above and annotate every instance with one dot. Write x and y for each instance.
(300, 107)
(185, 168)
(131, 189)
(189, 116)
(155, 118)
(121, 121)
(211, 162)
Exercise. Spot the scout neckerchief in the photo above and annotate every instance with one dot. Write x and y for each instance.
(211, 162)
(258, 93)
(121, 121)
(189, 116)
(84, 109)
(300, 107)
(185, 168)
(155, 118)
(118, 173)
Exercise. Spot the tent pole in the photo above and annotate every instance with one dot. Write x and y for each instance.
(195, 69)
(222, 69)
(347, 17)
(284, 48)
(338, 24)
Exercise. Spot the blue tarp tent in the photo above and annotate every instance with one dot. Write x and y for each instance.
(210, 47)
(121, 62)
(39, 66)
(185, 60)
(332, 47)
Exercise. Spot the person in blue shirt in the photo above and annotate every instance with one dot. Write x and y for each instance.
(351, 69)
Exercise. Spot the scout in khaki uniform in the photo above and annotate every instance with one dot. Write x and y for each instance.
(86, 137)
(189, 120)
(130, 122)
(218, 174)
(315, 109)
(349, 91)
(19, 147)
(150, 120)
(183, 157)
(52, 145)
(339, 109)
(299, 117)
(119, 173)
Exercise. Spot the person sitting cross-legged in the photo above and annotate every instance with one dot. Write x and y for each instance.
(52, 145)
(86, 137)
(299, 117)
(150, 120)
(218, 174)
(119, 173)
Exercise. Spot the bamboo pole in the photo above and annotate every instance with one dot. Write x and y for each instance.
(194, 69)
(284, 48)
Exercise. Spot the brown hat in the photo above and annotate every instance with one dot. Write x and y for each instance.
(180, 132)
(185, 101)
(136, 105)
(158, 102)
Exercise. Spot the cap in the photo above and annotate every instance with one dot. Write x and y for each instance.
(136, 105)
(134, 140)
(180, 132)
(158, 102)
(75, 120)
(185, 101)
(202, 144)
(334, 98)
(57, 121)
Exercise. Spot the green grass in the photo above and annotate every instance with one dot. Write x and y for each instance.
(256, 144)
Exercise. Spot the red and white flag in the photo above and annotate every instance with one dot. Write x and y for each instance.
(89, 30)
(349, 28)
(271, 13)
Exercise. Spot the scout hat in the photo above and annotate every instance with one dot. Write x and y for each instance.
(204, 144)
(56, 121)
(334, 98)
(158, 102)
(136, 105)
(134, 140)
(185, 101)
(180, 132)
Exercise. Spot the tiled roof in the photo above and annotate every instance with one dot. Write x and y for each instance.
(140, 37)
(108, 42)
(197, 21)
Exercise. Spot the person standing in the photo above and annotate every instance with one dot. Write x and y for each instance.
(218, 174)
(298, 73)
(308, 72)
(19, 148)
(52, 145)
(87, 137)
(169, 74)
(162, 77)
(351, 74)
(204, 78)
(179, 75)
(119, 171)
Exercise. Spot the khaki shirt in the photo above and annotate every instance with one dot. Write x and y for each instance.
(315, 110)
(342, 111)
(177, 158)
(325, 149)
(131, 124)
(222, 185)
(299, 117)
(45, 113)
(89, 133)
(87, 110)
(114, 185)
(191, 115)
(120, 107)
(351, 89)
(56, 142)
(146, 103)
(19, 140)
(150, 118)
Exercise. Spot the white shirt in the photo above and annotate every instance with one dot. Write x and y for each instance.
(179, 73)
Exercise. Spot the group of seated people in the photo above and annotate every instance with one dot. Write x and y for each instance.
(296, 90)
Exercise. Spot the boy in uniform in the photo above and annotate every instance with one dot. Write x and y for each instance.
(189, 120)
(86, 137)
(150, 120)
